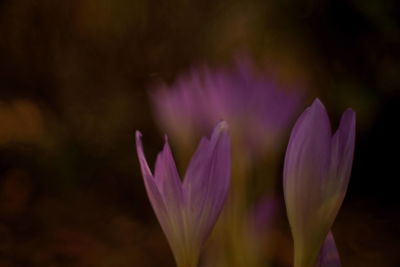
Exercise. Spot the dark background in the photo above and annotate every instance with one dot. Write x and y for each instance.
(74, 77)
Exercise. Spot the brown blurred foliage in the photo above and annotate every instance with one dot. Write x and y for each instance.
(74, 77)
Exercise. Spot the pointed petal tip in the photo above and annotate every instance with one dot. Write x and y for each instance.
(348, 120)
(138, 134)
(139, 145)
(138, 139)
(167, 147)
(317, 104)
(317, 113)
(317, 101)
(220, 131)
(142, 158)
(349, 112)
(222, 126)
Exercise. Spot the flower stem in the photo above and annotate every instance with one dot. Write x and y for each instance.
(189, 260)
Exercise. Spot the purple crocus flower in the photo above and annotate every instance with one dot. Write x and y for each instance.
(187, 211)
(329, 255)
(245, 99)
(316, 175)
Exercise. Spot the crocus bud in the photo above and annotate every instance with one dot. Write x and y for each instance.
(187, 211)
(316, 174)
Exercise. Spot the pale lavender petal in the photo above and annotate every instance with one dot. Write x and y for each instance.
(144, 167)
(207, 180)
(316, 175)
(165, 193)
(343, 150)
(306, 162)
(152, 190)
(167, 178)
(305, 173)
(329, 255)
(166, 175)
(196, 169)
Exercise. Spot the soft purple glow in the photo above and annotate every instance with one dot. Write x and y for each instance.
(256, 109)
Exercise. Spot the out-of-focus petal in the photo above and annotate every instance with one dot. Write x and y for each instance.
(329, 255)
(244, 98)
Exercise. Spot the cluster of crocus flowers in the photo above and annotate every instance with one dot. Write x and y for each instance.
(256, 108)
(316, 175)
(187, 210)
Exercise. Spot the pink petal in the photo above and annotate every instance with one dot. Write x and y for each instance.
(152, 190)
(207, 180)
(169, 184)
(342, 151)
(306, 164)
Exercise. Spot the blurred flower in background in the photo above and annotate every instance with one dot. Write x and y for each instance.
(256, 108)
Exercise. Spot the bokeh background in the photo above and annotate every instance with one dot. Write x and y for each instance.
(74, 83)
